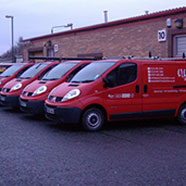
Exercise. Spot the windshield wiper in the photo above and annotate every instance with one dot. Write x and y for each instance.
(25, 77)
(52, 79)
(75, 81)
(87, 81)
(4, 76)
(49, 79)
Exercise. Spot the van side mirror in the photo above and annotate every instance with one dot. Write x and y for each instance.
(17, 75)
(68, 78)
(106, 82)
(40, 76)
(109, 82)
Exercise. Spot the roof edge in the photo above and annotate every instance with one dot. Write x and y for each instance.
(113, 23)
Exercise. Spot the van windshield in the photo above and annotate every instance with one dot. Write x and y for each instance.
(59, 71)
(11, 70)
(32, 71)
(92, 72)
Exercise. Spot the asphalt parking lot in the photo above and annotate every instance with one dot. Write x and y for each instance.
(35, 151)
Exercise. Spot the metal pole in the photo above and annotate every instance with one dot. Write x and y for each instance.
(13, 57)
(106, 16)
(12, 36)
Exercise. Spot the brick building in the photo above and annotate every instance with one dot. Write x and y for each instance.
(163, 33)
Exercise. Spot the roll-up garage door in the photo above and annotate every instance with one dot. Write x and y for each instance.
(180, 45)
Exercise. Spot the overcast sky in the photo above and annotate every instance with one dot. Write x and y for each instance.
(36, 17)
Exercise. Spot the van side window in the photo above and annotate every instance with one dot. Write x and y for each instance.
(125, 73)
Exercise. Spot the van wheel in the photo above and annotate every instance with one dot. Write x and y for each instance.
(182, 114)
(93, 119)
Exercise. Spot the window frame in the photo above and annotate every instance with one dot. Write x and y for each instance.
(117, 71)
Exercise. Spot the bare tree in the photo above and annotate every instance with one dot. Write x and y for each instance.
(18, 50)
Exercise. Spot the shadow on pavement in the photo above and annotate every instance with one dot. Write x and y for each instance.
(137, 124)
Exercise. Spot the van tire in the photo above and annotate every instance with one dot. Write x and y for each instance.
(182, 114)
(93, 119)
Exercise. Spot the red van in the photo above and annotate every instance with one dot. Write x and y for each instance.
(13, 71)
(33, 96)
(9, 95)
(113, 90)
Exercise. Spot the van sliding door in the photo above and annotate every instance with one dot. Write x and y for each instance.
(159, 97)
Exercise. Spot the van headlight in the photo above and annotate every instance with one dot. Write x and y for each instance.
(40, 90)
(71, 94)
(51, 92)
(16, 87)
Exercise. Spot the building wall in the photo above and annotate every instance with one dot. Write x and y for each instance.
(135, 38)
(131, 39)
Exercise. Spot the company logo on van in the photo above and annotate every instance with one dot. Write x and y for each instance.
(123, 95)
(182, 73)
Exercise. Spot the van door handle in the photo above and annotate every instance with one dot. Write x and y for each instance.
(145, 88)
(137, 88)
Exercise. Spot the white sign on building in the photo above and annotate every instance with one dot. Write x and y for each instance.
(56, 48)
(162, 36)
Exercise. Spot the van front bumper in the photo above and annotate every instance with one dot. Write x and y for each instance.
(30, 106)
(69, 115)
(10, 101)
